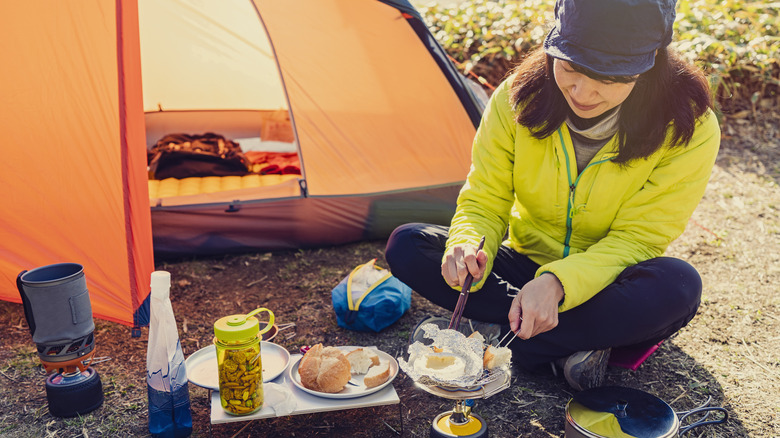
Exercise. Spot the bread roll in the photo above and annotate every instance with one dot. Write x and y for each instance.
(377, 375)
(332, 352)
(310, 367)
(373, 356)
(496, 357)
(477, 335)
(334, 374)
(361, 359)
(324, 369)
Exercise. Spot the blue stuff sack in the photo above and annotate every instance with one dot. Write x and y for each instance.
(370, 298)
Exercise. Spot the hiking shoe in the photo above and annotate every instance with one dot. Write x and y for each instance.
(586, 369)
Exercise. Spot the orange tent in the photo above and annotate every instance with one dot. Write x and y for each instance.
(358, 91)
(74, 188)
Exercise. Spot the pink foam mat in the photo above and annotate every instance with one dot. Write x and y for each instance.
(631, 357)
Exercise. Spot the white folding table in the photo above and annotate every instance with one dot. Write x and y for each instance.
(305, 403)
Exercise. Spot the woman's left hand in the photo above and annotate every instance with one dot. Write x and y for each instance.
(535, 308)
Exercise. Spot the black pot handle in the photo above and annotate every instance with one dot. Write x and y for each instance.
(701, 422)
(28, 315)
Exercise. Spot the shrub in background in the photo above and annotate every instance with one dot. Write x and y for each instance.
(736, 43)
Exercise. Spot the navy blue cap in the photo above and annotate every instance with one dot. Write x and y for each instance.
(611, 37)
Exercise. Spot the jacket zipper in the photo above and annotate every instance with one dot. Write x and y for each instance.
(570, 209)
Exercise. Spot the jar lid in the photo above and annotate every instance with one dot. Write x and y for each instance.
(614, 411)
(237, 327)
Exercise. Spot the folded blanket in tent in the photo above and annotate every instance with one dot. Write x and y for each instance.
(279, 163)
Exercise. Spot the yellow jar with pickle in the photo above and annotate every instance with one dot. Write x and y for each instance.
(237, 340)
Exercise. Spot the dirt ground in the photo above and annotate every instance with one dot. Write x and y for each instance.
(729, 352)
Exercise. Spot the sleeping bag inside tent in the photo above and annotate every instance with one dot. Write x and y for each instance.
(349, 116)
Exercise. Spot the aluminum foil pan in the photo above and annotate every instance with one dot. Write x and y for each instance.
(452, 360)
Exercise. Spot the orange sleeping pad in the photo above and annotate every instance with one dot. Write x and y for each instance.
(172, 187)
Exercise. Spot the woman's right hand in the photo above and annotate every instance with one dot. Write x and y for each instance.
(459, 261)
(535, 308)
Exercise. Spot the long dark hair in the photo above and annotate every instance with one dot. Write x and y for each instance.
(673, 91)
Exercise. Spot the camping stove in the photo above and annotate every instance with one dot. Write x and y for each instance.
(59, 315)
(461, 422)
(463, 379)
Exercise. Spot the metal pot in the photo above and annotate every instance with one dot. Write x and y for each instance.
(619, 412)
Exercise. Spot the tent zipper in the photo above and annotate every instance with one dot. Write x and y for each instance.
(304, 188)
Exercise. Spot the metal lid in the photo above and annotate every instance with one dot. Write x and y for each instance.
(614, 411)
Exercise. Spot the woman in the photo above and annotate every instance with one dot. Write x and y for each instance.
(589, 161)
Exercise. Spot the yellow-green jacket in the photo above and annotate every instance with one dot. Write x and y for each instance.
(583, 228)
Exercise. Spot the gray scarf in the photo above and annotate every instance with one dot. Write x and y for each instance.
(588, 141)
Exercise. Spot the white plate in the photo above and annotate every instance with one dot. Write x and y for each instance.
(202, 364)
(349, 391)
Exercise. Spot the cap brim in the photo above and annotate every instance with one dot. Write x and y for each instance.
(604, 63)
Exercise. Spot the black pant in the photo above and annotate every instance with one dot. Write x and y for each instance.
(647, 302)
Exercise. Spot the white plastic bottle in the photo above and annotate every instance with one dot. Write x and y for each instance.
(166, 376)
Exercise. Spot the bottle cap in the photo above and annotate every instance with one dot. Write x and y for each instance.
(241, 328)
(161, 283)
(235, 328)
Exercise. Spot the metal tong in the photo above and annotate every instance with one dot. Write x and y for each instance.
(464, 295)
